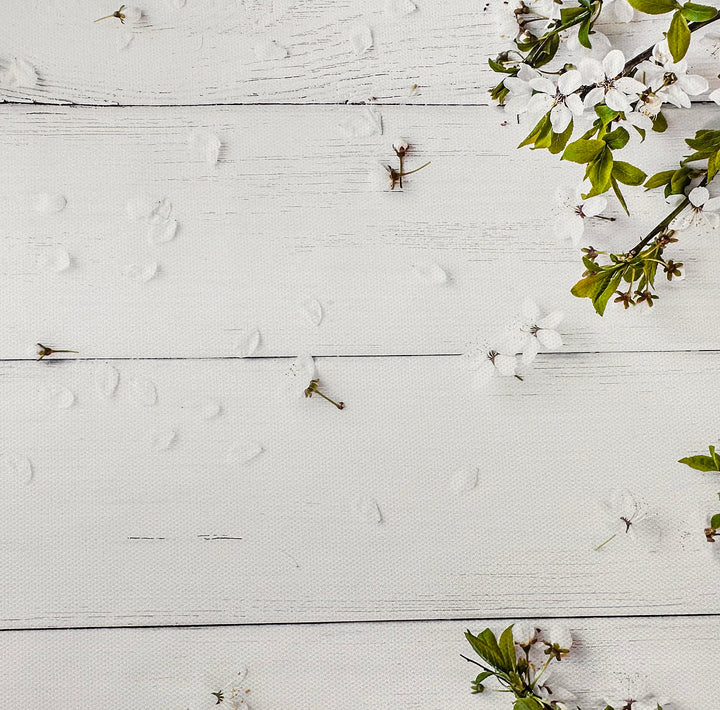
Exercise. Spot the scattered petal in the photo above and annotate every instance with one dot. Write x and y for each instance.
(206, 408)
(132, 14)
(48, 203)
(399, 8)
(19, 73)
(313, 310)
(139, 208)
(466, 479)
(163, 439)
(243, 453)
(361, 39)
(247, 342)
(364, 122)
(56, 259)
(16, 468)
(162, 231)
(56, 396)
(367, 510)
(269, 49)
(143, 391)
(106, 379)
(430, 273)
(161, 210)
(142, 273)
(206, 146)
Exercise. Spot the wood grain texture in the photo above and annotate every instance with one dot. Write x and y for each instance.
(290, 214)
(214, 51)
(366, 666)
(353, 515)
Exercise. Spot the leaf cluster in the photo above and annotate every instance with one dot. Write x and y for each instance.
(707, 463)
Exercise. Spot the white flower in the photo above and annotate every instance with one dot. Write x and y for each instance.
(558, 639)
(301, 372)
(701, 211)
(524, 633)
(617, 91)
(520, 91)
(561, 100)
(620, 9)
(539, 331)
(627, 511)
(400, 145)
(670, 80)
(486, 360)
(715, 96)
(572, 211)
(561, 698)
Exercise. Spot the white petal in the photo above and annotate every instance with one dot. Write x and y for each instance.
(569, 227)
(312, 310)
(483, 374)
(617, 101)
(712, 205)
(712, 219)
(594, 206)
(575, 104)
(526, 72)
(699, 196)
(693, 84)
(540, 104)
(549, 339)
(560, 116)
(530, 310)
(543, 85)
(594, 97)
(559, 635)
(531, 350)
(570, 81)
(682, 221)
(361, 39)
(48, 203)
(640, 120)
(623, 11)
(517, 85)
(551, 320)
(591, 71)
(715, 96)
(628, 85)
(505, 364)
(614, 63)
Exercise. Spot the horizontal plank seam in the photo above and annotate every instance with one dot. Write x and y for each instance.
(589, 617)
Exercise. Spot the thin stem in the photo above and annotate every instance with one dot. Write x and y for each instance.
(66, 351)
(542, 670)
(410, 172)
(107, 17)
(339, 406)
(602, 544)
(472, 660)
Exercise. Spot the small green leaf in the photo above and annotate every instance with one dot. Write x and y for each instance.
(583, 151)
(606, 114)
(659, 179)
(617, 139)
(507, 649)
(619, 195)
(678, 36)
(700, 463)
(693, 12)
(660, 123)
(584, 33)
(715, 457)
(599, 173)
(527, 704)
(715, 521)
(542, 126)
(627, 174)
(654, 7)
(558, 141)
(713, 165)
(600, 302)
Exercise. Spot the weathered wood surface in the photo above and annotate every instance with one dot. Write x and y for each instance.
(358, 514)
(408, 666)
(290, 214)
(224, 51)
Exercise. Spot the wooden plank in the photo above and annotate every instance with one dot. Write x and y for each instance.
(280, 509)
(221, 51)
(290, 215)
(406, 666)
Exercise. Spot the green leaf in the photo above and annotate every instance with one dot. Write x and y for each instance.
(542, 126)
(678, 36)
(591, 285)
(659, 179)
(583, 151)
(679, 181)
(715, 521)
(599, 173)
(700, 463)
(693, 12)
(558, 141)
(600, 302)
(619, 195)
(527, 704)
(715, 457)
(660, 123)
(617, 139)
(627, 174)
(584, 33)
(507, 649)
(654, 7)
(606, 114)
(713, 165)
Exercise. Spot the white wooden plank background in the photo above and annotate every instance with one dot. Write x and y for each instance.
(109, 531)
(205, 52)
(367, 666)
(281, 220)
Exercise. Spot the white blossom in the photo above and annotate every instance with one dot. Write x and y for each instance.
(617, 91)
(572, 211)
(702, 210)
(561, 100)
(520, 91)
(486, 361)
(524, 633)
(539, 331)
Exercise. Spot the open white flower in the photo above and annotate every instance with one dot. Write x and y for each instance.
(524, 633)
(561, 100)
(629, 517)
(669, 80)
(702, 210)
(539, 331)
(572, 212)
(617, 91)
(558, 640)
(486, 360)
(520, 91)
